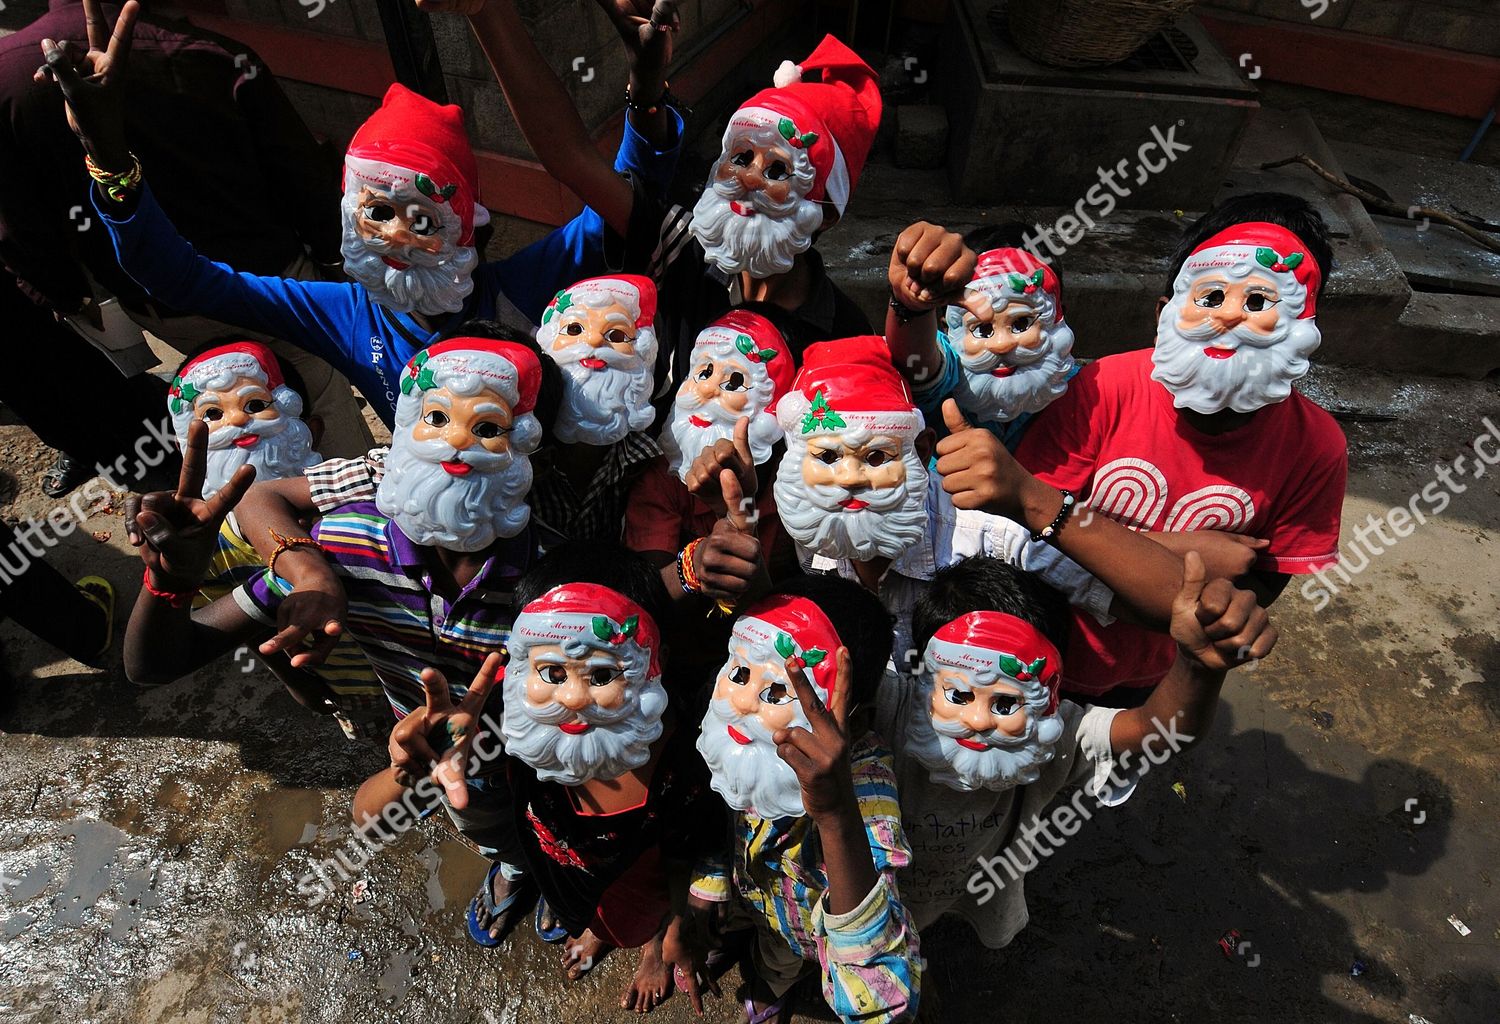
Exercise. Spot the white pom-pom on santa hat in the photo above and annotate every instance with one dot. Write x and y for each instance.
(787, 74)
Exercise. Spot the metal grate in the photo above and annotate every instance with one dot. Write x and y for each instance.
(1169, 50)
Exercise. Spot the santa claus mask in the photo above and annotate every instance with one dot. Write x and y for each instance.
(851, 484)
(786, 151)
(253, 418)
(753, 698)
(740, 367)
(459, 469)
(1020, 361)
(410, 207)
(991, 719)
(583, 693)
(600, 334)
(1241, 322)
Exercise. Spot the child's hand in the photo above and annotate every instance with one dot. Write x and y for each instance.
(93, 83)
(820, 757)
(1230, 555)
(177, 532)
(930, 266)
(685, 950)
(313, 613)
(413, 756)
(1215, 624)
(977, 470)
(705, 475)
(646, 28)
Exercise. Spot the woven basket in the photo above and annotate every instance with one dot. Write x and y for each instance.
(1086, 33)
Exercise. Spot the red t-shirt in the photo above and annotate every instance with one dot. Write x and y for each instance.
(1115, 439)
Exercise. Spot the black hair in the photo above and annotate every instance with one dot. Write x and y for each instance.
(861, 621)
(983, 584)
(549, 394)
(607, 564)
(289, 373)
(1294, 213)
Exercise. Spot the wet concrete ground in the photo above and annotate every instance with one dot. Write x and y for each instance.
(153, 841)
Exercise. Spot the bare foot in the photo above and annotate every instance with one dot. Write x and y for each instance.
(581, 955)
(652, 983)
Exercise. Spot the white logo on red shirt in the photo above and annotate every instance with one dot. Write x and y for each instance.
(1134, 492)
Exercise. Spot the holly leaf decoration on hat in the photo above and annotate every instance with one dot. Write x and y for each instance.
(183, 393)
(558, 306)
(1274, 261)
(787, 648)
(747, 348)
(418, 374)
(789, 132)
(1020, 670)
(821, 416)
(426, 186)
(605, 630)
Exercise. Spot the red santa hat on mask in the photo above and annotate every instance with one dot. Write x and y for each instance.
(412, 145)
(512, 371)
(1269, 250)
(218, 367)
(601, 617)
(850, 383)
(997, 646)
(794, 628)
(634, 292)
(1013, 275)
(833, 121)
(755, 344)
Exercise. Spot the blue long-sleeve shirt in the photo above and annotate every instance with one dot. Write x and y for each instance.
(339, 321)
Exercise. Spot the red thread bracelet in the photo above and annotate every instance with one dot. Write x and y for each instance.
(177, 599)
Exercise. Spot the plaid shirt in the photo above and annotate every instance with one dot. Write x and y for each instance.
(558, 513)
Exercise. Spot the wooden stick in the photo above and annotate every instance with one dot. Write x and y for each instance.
(1488, 241)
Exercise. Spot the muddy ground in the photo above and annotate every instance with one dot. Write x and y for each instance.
(152, 841)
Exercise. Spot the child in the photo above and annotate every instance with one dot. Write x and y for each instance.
(981, 736)
(817, 837)
(1203, 433)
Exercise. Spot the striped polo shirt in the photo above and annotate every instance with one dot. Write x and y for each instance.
(394, 615)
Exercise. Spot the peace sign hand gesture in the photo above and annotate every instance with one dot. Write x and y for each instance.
(413, 756)
(176, 532)
(92, 84)
(820, 755)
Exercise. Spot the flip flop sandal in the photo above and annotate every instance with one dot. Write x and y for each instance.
(65, 474)
(552, 935)
(484, 902)
(771, 1014)
(99, 591)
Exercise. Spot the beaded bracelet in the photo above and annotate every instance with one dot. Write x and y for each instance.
(175, 598)
(1052, 529)
(904, 313)
(665, 99)
(687, 575)
(114, 184)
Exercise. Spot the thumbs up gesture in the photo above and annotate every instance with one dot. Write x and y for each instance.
(977, 470)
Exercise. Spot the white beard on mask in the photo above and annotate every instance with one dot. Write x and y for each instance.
(1259, 373)
(765, 244)
(618, 740)
(1039, 376)
(434, 508)
(751, 777)
(1006, 762)
(600, 407)
(895, 520)
(683, 440)
(432, 283)
(284, 450)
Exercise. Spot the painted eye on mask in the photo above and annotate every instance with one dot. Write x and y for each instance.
(436, 418)
(963, 698)
(982, 330)
(878, 458)
(739, 675)
(1259, 302)
(829, 456)
(1004, 705)
(380, 212)
(422, 224)
(705, 371)
(744, 158)
(574, 329)
(489, 429)
(602, 676)
(615, 336)
(777, 171)
(734, 382)
(256, 405)
(1022, 325)
(212, 414)
(776, 694)
(555, 674)
(1210, 299)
